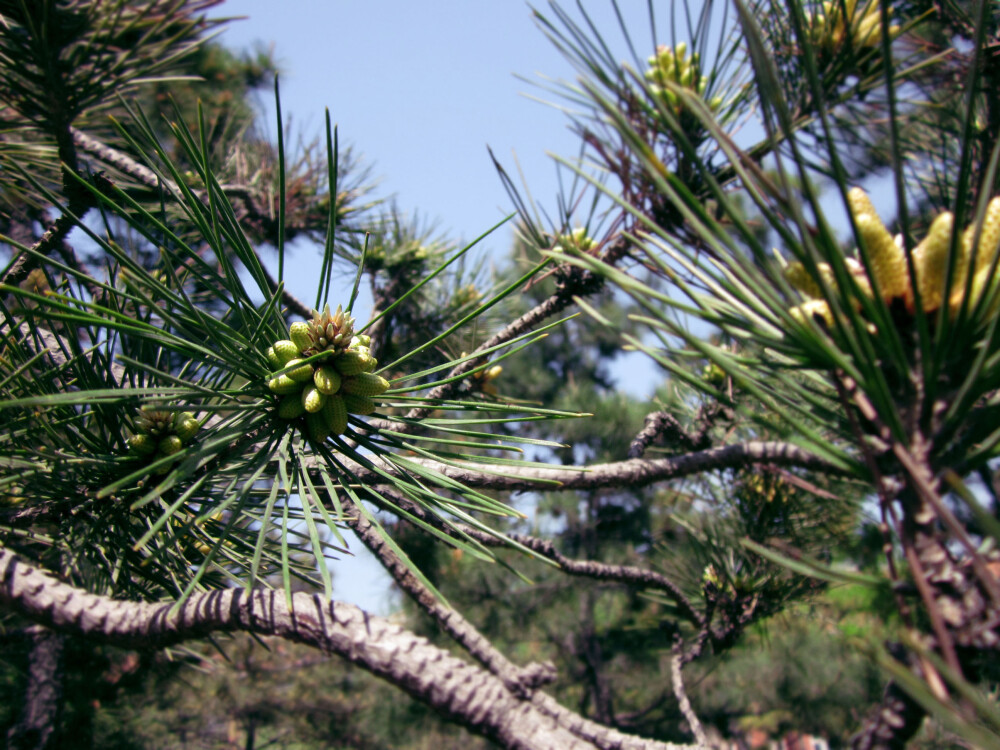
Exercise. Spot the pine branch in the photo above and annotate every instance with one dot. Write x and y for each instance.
(43, 694)
(660, 423)
(522, 681)
(636, 472)
(254, 212)
(626, 574)
(676, 665)
(462, 692)
(50, 241)
(576, 282)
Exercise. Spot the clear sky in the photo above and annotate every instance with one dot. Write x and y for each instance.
(420, 89)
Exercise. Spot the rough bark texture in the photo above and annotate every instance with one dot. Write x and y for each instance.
(636, 472)
(521, 681)
(458, 690)
(42, 695)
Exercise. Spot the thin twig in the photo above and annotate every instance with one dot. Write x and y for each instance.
(676, 664)
(576, 283)
(130, 167)
(661, 423)
(626, 574)
(28, 261)
(520, 680)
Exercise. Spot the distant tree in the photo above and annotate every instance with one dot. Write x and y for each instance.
(185, 440)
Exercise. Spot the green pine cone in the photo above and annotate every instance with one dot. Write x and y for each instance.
(358, 404)
(291, 407)
(319, 430)
(273, 358)
(365, 384)
(170, 445)
(286, 351)
(312, 399)
(283, 385)
(299, 334)
(142, 444)
(353, 361)
(301, 374)
(187, 428)
(327, 379)
(335, 414)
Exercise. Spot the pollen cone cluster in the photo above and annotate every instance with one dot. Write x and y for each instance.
(972, 271)
(840, 20)
(162, 433)
(326, 390)
(673, 65)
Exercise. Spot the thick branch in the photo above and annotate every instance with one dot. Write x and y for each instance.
(636, 472)
(458, 690)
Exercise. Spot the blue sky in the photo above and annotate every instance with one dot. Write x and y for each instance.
(420, 89)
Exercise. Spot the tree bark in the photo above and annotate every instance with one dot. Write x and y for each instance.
(43, 693)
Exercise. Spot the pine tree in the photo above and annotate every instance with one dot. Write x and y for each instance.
(185, 440)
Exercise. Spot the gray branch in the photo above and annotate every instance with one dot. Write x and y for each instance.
(636, 472)
(629, 575)
(521, 681)
(578, 284)
(460, 691)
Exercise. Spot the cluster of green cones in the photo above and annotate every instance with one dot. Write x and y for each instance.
(162, 433)
(324, 372)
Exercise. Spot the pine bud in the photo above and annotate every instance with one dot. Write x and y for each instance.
(142, 444)
(930, 260)
(186, 429)
(365, 384)
(353, 361)
(859, 203)
(327, 379)
(811, 309)
(989, 236)
(170, 445)
(312, 399)
(335, 414)
(274, 359)
(301, 374)
(802, 280)
(887, 259)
